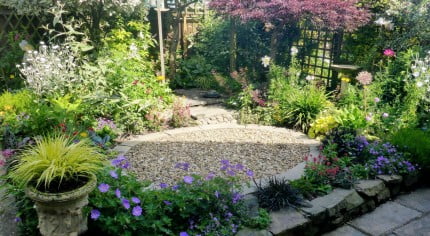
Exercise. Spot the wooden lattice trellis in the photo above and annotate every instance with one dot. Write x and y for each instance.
(10, 21)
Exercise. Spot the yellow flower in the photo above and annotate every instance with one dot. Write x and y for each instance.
(345, 79)
(160, 78)
(7, 107)
(83, 134)
(2, 113)
(11, 76)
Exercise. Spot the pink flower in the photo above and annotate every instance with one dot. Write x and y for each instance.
(385, 115)
(377, 100)
(389, 52)
(364, 77)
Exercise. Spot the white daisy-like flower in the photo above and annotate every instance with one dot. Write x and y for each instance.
(294, 50)
(266, 61)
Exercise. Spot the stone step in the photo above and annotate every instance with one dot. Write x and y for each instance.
(212, 115)
(194, 97)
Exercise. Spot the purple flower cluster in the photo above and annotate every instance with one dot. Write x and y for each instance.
(103, 122)
(183, 166)
(120, 162)
(391, 166)
(231, 169)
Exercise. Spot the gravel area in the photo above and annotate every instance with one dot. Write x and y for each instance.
(265, 152)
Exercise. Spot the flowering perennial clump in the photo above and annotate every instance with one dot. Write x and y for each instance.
(208, 205)
(50, 69)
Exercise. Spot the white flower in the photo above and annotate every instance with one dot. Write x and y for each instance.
(310, 77)
(294, 50)
(416, 74)
(381, 21)
(265, 61)
(419, 84)
(134, 51)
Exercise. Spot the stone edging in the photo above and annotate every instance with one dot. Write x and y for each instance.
(336, 208)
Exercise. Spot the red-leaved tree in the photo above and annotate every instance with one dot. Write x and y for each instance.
(332, 14)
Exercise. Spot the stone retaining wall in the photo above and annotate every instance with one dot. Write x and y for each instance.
(334, 209)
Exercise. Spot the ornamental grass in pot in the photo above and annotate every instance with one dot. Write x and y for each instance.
(58, 174)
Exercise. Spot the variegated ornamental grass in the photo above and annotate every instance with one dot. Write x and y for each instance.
(56, 158)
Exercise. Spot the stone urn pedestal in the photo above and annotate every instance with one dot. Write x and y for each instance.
(61, 214)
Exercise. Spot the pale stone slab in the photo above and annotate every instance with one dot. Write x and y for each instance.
(420, 227)
(253, 232)
(418, 200)
(286, 220)
(385, 218)
(345, 230)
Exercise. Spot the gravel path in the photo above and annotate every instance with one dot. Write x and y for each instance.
(264, 150)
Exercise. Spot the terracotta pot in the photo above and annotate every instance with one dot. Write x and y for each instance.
(61, 213)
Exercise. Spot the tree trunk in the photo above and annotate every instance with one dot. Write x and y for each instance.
(274, 43)
(233, 44)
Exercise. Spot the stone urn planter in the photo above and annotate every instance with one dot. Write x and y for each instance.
(61, 214)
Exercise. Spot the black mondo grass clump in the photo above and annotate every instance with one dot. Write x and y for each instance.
(278, 194)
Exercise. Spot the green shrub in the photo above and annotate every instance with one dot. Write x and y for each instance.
(302, 106)
(416, 142)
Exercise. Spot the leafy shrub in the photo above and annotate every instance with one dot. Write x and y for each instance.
(277, 194)
(416, 142)
(351, 117)
(322, 126)
(9, 74)
(129, 91)
(302, 107)
(195, 72)
(181, 115)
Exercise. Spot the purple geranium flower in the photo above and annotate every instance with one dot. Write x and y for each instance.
(163, 185)
(137, 211)
(210, 176)
(216, 194)
(225, 162)
(126, 203)
(95, 214)
(183, 166)
(167, 202)
(113, 174)
(188, 179)
(239, 166)
(236, 197)
(183, 234)
(135, 200)
(104, 187)
(118, 193)
(250, 173)
(175, 187)
(17, 219)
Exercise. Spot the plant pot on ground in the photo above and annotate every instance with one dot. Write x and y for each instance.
(58, 175)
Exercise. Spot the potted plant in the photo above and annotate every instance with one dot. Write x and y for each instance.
(58, 174)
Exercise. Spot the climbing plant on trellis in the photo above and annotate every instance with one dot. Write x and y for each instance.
(9, 22)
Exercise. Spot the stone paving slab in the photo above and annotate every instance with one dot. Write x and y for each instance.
(385, 218)
(285, 220)
(418, 200)
(345, 230)
(420, 227)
